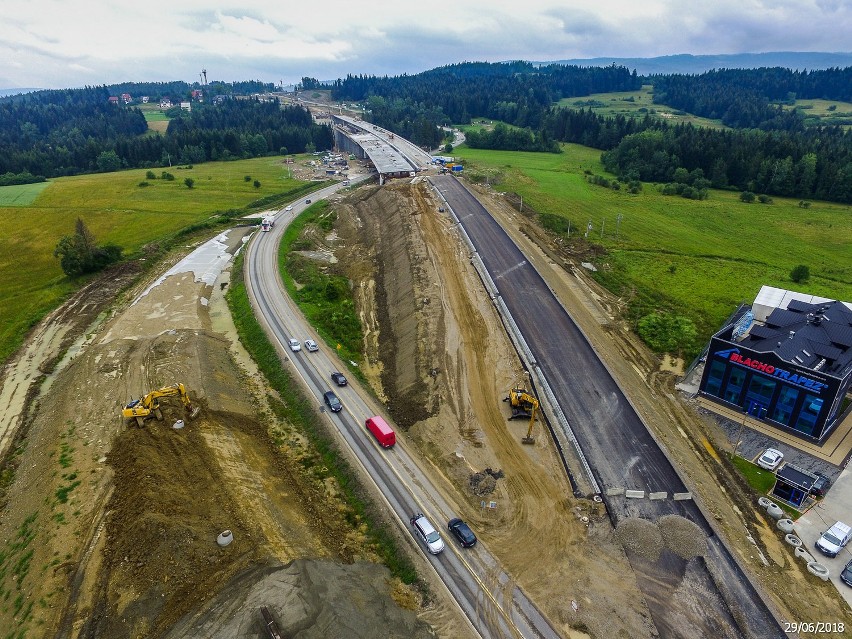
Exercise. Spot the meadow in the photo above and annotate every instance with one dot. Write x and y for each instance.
(118, 211)
(636, 104)
(696, 258)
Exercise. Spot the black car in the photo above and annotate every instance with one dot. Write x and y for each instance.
(821, 485)
(462, 532)
(338, 378)
(332, 402)
(846, 574)
(307, 201)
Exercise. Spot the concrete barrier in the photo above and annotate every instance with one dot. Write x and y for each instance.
(658, 495)
(634, 494)
(613, 492)
(681, 496)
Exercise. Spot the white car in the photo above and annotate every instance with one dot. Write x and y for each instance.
(311, 345)
(770, 459)
(295, 345)
(289, 207)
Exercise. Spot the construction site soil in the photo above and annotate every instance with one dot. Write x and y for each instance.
(111, 531)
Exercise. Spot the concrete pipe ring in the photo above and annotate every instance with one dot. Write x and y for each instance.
(785, 525)
(764, 502)
(816, 568)
(584, 519)
(225, 537)
(794, 541)
(774, 511)
(597, 499)
(803, 554)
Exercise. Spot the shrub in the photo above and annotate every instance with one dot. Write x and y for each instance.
(800, 273)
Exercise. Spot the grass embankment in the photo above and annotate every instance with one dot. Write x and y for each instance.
(762, 482)
(300, 411)
(117, 211)
(323, 296)
(698, 259)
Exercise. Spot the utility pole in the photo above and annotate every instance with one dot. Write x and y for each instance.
(603, 221)
(617, 224)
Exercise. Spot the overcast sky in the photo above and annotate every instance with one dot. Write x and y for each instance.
(71, 43)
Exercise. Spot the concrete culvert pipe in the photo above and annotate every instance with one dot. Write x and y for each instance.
(801, 553)
(764, 502)
(225, 537)
(785, 525)
(774, 511)
(816, 568)
(794, 541)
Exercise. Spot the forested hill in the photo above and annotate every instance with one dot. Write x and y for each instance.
(741, 98)
(517, 92)
(65, 132)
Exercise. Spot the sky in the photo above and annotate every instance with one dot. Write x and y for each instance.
(72, 43)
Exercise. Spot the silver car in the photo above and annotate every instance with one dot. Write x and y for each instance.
(295, 345)
(427, 534)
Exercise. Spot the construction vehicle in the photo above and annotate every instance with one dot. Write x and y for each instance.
(524, 406)
(149, 406)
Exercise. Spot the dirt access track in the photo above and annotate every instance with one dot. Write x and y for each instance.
(110, 531)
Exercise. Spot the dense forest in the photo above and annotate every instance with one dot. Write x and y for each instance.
(742, 98)
(54, 133)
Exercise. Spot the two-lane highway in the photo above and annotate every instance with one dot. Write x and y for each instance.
(473, 577)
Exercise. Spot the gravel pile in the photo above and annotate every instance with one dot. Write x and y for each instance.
(640, 536)
(682, 536)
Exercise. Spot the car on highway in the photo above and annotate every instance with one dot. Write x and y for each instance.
(338, 378)
(462, 532)
(295, 345)
(311, 345)
(426, 533)
(289, 207)
(307, 201)
(821, 485)
(332, 401)
(770, 459)
(846, 574)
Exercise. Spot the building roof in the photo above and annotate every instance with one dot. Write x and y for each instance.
(796, 476)
(813, 335)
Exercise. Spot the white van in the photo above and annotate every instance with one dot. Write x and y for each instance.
(832, 540)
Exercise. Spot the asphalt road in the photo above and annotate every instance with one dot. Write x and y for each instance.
(617, 445)
(472, 576)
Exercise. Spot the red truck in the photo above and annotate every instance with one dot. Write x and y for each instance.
(381, 431)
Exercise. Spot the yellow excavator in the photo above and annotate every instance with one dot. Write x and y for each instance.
(524, 406)
(149, 406)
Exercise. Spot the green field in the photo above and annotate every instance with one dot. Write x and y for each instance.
(697, 258)
(118, 211)
(636, 104)
(824, 112)
(20, 194)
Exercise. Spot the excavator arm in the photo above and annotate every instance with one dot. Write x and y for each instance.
(149, 405)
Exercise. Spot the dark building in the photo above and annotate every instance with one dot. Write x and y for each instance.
(786, 361)
(793, 484)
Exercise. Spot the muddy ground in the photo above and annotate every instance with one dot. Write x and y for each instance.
(110, 531)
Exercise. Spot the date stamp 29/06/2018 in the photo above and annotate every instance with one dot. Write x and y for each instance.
(815, 627)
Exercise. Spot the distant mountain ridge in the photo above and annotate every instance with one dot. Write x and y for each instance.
(7, 92)
(687, 63)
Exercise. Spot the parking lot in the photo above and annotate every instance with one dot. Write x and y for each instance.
(750, 438)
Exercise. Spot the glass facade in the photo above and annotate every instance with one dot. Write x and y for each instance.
(784, 406)
(808, 414)
(734, 387)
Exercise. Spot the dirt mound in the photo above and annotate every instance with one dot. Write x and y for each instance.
(484, 483)
(640, 536)
(683, 537)
(308, 600)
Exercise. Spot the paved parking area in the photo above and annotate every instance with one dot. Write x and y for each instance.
(836, 506)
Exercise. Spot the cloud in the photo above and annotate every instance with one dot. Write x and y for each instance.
(55, 43)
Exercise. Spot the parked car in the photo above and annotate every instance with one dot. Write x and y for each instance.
(846, 574)
(311, 345)
(426, 533)
(462, 532)
(332, 402)
(834, 539)
(295, 345)
(770, 459)
(338, 378)
(821, 485)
